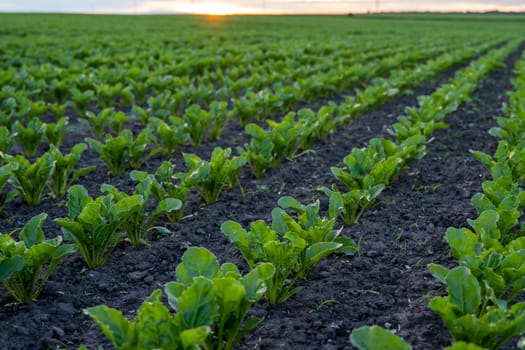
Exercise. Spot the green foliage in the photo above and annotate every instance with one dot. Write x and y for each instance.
(231, 297)
(508, 162)
(379, 163)
(30, 179)
(349, 206)
(218, 119)
(56, 132)
(121, 152)
(211, 304)
(138, 222)
(377, 338)
(170, 136)
(59, 91)
(318, 124)
(155, 327)
(6, 139)
(27, 264)
(196, 121)
(474, 314)
(367, 172)
(287, 136)
(309, 224)
(510, 130)
(6, 172)
(80, 100)
(259, 152)
(427, 117)
(98, 124)
(64, 173)
(210, 178)
(291, 247)
(29, 136)
(59, 110)
(92, 223)
(107, 94)
(167, 185)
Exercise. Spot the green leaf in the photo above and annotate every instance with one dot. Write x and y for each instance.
(288, 202)
(229, 293)
(196, 305)
(128, 204)
(196, 261)
(78, 197)
(464, 346)
(377, 338)
(166, 206)
(255, 282)
(32, 232)
(463, 242)
(348, 245)
(439, 272)
(154, 324)
(195, 336)
(9, 266)
(319, 250)
(115, 326)
(464, 290)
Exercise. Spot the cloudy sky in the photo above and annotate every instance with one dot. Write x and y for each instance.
(255, 6)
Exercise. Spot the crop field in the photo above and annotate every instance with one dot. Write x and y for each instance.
(259, 182)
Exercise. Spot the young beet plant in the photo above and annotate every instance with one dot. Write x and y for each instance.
(479, 306)
(30, 179)
(377, 338)
(64, 173)
(210, 178)
(30, 135)
(92, 223)
(56, 132)
(292, 247)
(306, 221)
(170, 137)
(138, 224)
(97, 123)
(121, 152)
(349, 206)
(26, 264)
(167, 185)
(211, 303)
(156, 327)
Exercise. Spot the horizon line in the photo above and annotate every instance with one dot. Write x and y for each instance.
(267, 13)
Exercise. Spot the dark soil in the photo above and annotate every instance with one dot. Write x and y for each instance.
(386, 284)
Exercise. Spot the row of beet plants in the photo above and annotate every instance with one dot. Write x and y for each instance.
(369, 170)
(258, 105)
(171, 131)
(298, 130)
(24, 92)
(482, 309)
(292, 244)
(120, 150)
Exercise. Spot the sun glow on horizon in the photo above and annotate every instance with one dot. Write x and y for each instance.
(210, 8)
(214, 9)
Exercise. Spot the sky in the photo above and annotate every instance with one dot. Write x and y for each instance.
(255, 6)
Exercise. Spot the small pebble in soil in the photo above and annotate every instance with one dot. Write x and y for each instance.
(67, 308)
